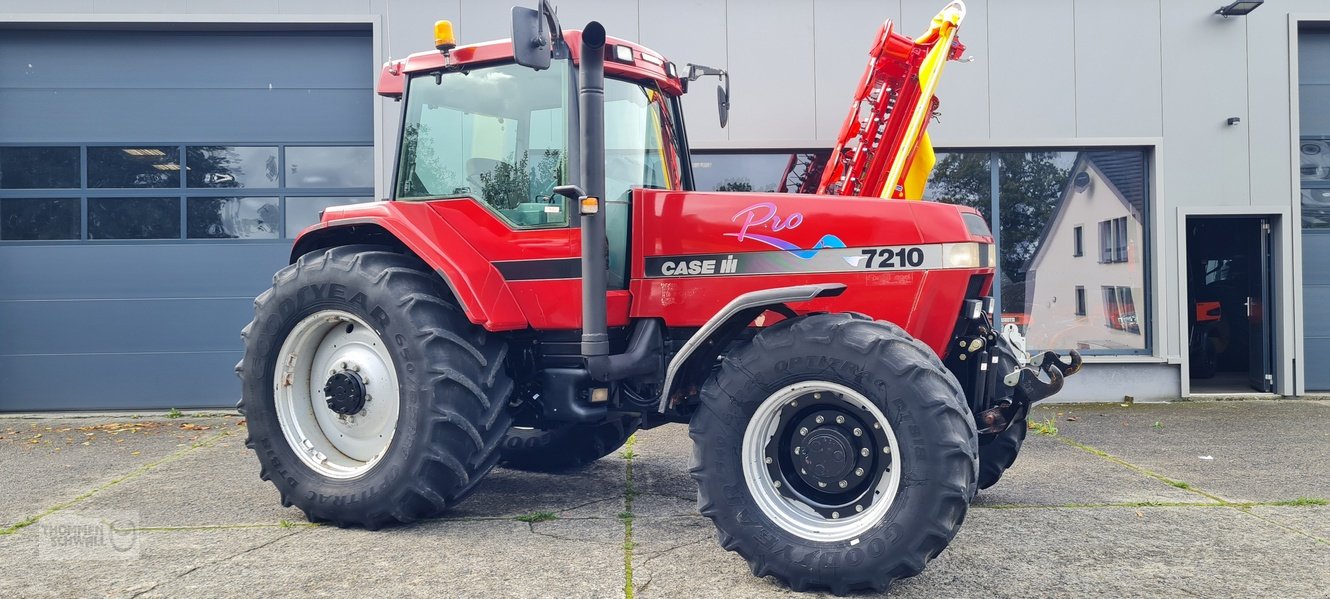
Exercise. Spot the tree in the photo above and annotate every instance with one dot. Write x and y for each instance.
(739, 184)
(1030, 184)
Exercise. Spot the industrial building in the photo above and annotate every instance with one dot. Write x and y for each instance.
(1157, 173)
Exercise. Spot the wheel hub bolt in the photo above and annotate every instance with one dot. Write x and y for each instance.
(886, 450)
(843, 484)
(858, 432)
(803, 430)
(864, 452)
(821, 484)
(794, 403)
(858, 471)
(819, 419)
(876, 425)
(840, 420)
(858, 508)
(775, 483)
(817, 396)
(798, 450)
(835, 514)
(768, 460)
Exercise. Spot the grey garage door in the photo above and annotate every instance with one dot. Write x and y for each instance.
(150, 182)
(1314, 81)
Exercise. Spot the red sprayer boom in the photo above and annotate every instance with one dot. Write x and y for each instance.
(883, 150)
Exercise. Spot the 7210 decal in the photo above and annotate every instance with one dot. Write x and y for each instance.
(906, 257)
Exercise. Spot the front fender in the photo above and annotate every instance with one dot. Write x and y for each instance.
(479, 288)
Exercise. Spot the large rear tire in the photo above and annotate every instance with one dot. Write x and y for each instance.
(565, 447)
(370, 399)
(834, 452)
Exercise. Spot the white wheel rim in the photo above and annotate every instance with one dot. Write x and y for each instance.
(333, 444)
(792, 515)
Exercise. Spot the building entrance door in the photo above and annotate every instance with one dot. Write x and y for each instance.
(1230, 303)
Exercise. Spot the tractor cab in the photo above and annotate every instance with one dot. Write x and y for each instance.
(477, 124)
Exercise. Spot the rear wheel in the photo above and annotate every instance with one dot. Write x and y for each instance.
(369, 397)
(834, 452)
(567, 446)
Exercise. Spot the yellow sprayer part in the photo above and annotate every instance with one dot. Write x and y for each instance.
(943, 29)
(917, 177)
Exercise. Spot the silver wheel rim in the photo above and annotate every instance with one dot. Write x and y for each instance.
(332, 444)
(795, 516)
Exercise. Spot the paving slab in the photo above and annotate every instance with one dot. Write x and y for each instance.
(1043, 552)
(1310, 520)
(162, 556)
(1257, 450)
(220, 485)
(44, 462)
(593, 490)
(1049, 472)
(663, 456)
(214, 485)
(451, 559)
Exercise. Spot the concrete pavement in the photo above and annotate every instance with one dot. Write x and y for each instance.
(1189, 498)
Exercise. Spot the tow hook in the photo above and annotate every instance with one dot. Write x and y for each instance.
(1043, 375)
(1067, 369)
(1040, 377)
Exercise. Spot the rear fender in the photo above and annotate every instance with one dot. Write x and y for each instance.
(478, 287)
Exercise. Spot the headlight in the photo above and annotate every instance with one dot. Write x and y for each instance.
(960, 255)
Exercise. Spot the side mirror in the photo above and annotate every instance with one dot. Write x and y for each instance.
(532, 45)
(723, 102)
(697, 71)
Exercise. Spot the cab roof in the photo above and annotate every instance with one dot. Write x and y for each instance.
(646, 64)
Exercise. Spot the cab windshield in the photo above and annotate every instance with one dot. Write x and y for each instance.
(500, 135)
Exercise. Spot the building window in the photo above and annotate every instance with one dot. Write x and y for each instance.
(233, 167)
(1040, 204)
(1314, 169)
(39, 167)
(175, 192)
(1119, 310)
(133, 167)
(1080, 300)
(33, 219)
(1113, 240)
(134, 218)
(233, 218)
(303, 212)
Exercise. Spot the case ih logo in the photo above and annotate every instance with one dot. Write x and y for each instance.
(763, 216)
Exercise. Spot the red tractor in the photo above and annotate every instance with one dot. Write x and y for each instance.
(545, 282)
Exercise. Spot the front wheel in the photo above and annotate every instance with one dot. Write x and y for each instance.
(834, 452)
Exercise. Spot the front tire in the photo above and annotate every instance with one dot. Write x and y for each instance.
(370, 399)
(834, 452)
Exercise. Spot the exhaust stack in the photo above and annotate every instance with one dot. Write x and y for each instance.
(591, 105)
